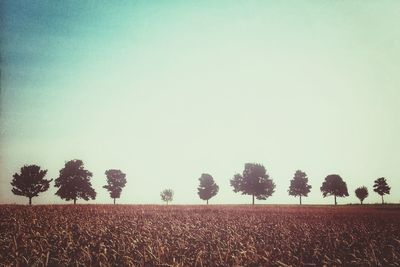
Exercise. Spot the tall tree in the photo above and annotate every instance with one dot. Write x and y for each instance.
(115, 182)
(299, 185)
(255, 181)
(381, 187)
(74, 182)
(207, 188)
(334, 186)
(30, 182)
(167, 195)
(361, 193)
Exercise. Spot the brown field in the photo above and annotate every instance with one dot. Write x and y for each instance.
(124, 235)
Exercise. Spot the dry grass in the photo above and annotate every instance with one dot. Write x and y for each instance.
(101, 235)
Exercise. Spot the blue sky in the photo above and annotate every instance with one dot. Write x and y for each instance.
(168, 90)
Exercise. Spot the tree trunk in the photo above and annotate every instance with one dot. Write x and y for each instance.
(207, 201)
(30, 200)
(253, 200)
(300, 200)
(382, 199)
(74, 201)
(361, 202)
(335, 200)
(114, 201)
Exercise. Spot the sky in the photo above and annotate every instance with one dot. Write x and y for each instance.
(168, 90)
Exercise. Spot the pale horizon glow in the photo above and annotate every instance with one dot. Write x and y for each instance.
(166, 91)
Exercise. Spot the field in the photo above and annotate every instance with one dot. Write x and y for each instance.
(124, 235)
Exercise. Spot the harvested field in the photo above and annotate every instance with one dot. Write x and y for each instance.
(124, 235)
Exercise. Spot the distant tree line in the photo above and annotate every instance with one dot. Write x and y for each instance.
(74, 183)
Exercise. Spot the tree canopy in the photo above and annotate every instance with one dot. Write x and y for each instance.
(74, 182)
(381, 187)
(299, 185)
(334, 186)
(254, 181)
(30, 182)
(115, 182)
(207, 188)
(167, 195)
(361, 193)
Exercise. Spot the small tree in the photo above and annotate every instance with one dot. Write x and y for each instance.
(334, 186)
(361, 193)
(299, 185)
(74, 182)
(30, 182)
(207, 188)
(167, 195)
(255, 181)
(381, 187)
(115, 182)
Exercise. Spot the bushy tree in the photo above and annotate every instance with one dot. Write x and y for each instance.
(167, 195)
(334, 186)
(299, 185)
(115, 182)
(381, 187)
(361, 193)
(74, 182)
(30, 182)
(207, 188)
(255, 181)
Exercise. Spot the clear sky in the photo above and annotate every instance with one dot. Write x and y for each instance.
(167, 90)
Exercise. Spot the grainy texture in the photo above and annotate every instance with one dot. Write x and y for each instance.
(122, 235)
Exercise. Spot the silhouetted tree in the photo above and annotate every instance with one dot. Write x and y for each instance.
(30, 182)
(381, 187)
(74, 182)
(334, 186)
(167, 195)
(361, 193)
(255, 181)
(207, 188)
(299, 185)
(115, 182)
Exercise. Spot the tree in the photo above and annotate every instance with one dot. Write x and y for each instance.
(167, 195)
(115, 182)
(299, 185)
(207, 188)
(30, 182)
(74, 182)
(361, 193)
(381, 187)
(255, 181)
(334, 186)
